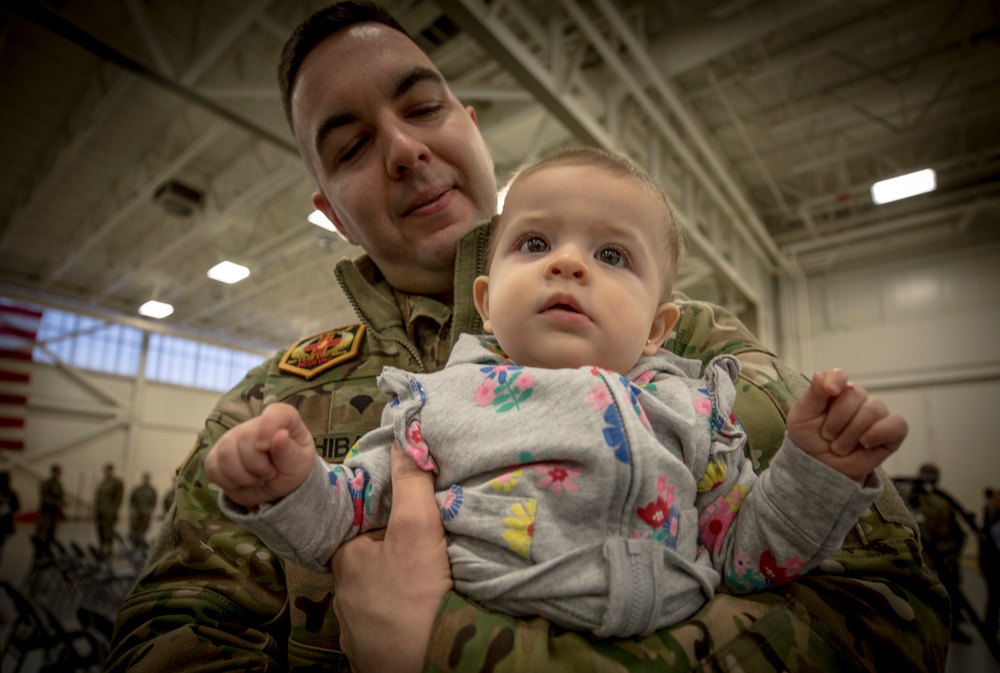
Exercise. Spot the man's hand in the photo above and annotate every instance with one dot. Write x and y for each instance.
(389, 583)
(263, 459)
(838, 423)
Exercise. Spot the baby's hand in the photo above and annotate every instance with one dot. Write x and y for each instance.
(836, 422)
(263, 459)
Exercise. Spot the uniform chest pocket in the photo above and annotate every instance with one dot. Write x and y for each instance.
(339, 413)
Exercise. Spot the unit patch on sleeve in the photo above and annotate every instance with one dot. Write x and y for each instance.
(319, 352)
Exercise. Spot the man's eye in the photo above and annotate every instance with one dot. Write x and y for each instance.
(426, 110)
(534, 244)
(611, 256)
(352, 151)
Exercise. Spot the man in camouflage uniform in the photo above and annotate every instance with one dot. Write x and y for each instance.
(389, 146)
(942, 535)
(107, 500)
(141, 503)
(50, 505)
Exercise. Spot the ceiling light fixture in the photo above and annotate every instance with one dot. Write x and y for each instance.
(155, 309)
(228, 272)
(320, 220)
(904, 186)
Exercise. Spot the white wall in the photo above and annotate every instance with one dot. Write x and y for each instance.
(82, 420)
(924, 339)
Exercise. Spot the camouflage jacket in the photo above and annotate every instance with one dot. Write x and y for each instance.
(213, 597)
(108, 497)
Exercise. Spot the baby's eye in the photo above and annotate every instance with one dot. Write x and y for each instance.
(534, 244)
(611, 256)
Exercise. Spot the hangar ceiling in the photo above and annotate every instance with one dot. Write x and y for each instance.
(143, 141)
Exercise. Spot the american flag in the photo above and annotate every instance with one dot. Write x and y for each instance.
(18, 329)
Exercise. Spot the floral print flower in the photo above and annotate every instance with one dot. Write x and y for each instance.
(357, 486)
(452, 502)
(559, 476)
(614, 434)
(505, 387)
(485, 392)
(773, 572)
(335, 475)
(703, 406)
(645, 380)
(633, 394)
(661, 514)
(520, 527)
(655, 513)
(715, 520)
(505, 482)
(742, 564)
(715, 475)
(417, 448)
(599, 398)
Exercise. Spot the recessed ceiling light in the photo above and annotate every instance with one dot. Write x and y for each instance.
(156, 309)
(228, 272)
(904, 186)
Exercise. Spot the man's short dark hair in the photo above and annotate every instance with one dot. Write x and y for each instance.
(317, 28)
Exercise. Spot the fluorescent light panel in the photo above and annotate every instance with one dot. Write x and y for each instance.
(321, 220)
(904, 186)
(156, 309)
(228, 272)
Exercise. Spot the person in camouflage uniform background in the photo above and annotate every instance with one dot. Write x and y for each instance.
(141, 503)
(107, 500)
(50, 510)
(214, 597)
(938, 517)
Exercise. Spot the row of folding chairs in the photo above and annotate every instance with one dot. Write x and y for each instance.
(33, 632)
(72, 575)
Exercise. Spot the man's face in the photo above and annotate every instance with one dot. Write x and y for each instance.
(577, 276)
(401, 166)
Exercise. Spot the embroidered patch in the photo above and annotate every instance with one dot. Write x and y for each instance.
(317, 353)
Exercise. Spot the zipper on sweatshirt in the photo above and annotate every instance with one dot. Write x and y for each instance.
(641, 590)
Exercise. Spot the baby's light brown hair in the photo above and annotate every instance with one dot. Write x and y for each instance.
(619, 166)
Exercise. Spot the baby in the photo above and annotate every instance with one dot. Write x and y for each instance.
(583, 473)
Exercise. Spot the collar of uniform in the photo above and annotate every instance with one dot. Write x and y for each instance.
(369, 293)
(470, 261)
(415, 306)
(374, 299)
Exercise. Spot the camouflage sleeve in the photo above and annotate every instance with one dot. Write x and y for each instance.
(211, 596)
(873, 606)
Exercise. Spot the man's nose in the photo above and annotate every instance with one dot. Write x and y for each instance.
(567, 261)
(403, 151)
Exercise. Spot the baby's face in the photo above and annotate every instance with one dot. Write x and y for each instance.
(577, 276)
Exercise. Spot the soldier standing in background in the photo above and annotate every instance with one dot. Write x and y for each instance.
(106, 503)
(938, 515)
(9, 504)
(50, 504)
(989, 563)
(141, 503)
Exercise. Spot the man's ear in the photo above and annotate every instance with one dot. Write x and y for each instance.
(323, 206)
(667, 314)
(481, 295)
(472, 114)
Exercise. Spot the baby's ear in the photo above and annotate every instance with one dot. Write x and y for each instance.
(481, 295)
(667, 314)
